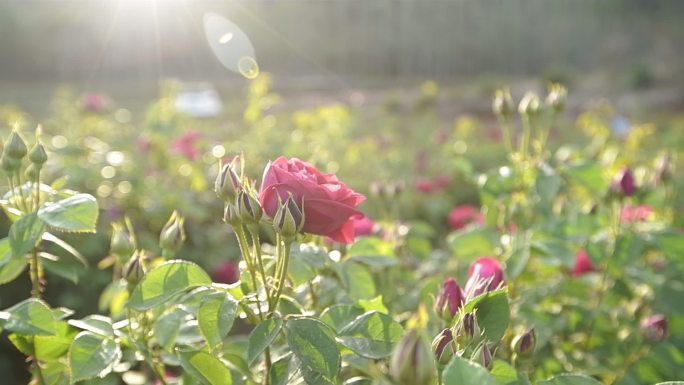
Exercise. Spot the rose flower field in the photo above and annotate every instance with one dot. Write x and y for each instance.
(416, 235)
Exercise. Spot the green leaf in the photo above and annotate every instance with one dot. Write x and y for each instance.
(205, 367)
(671, 383)
(280, 371)
(54, 347)
(77, 213)
(339, 316)
(215, 317)
(5, 251)
(373, 251)
(472, 242)
(503, 372)
(25, 234)
(358, 280)
(374, 304)
(91, 355)
(166, 281)
(313, 343)
(463, 372)
(492, 313)
(12, 269)
(23, 343)
(167, 327)
(590, 176)
(570, 379)
(64, 269)
(66, 247)
(96, 324)
(262, 336)
(372, 335)
(30, 317)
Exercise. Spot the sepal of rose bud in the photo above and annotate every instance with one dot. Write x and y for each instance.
(15, 147)
(524, 344)
(502, 105)
(289, 219)
(134, 271)
(37, 155)
(529, 105)
(230, 215)
(413, 363)
(228, 182)
(654, 328)
(31, 172)
(449, 300)
(121, 244)
(556, 97)
(467, 329)
(248, 208)
(173, 234)
(483, 356)
(443, 346)
(9, 164)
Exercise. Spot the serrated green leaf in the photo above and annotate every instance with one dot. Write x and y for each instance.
(570, 379)
(280, 372)
(462, 372)
(31, 317)
(262, 336)
(166, 281)
(23, 343)
(55, 265)
(215, 317)
(91, 355)
(371, 335)
(339, 316)
(205, 367)
(76, 213)
(66, 247)
(493, 313)
(25, 234)
(503, 372)
(48, 348)
(96, 324)
(357, 280)
(374, 304)
(167, 327)
(313, 343)
(12, 269)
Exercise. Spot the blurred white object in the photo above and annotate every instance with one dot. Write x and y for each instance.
(199, 100)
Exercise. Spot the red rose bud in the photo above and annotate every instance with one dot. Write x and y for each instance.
(228, 182)
(443, 346)
(413, 363)
(654, 328)
(449, 300)
(330, 204)
(289, 219)
(248, 208)
(483, 356)
(173, 234)
(582, 264)
(230, 216)
(467, 329)
(463, 215)
(484, 275)
(227, 272)
(523, 345)
(624, 183)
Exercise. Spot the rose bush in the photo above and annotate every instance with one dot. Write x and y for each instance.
(329, 205)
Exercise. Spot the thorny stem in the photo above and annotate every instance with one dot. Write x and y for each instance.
(254, 231)
(285, 256)
(246, 255)
(34, 272)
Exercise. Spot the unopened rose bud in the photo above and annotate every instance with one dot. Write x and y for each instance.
(248, 208)
(173, 234)
(134, 271)
(412, 362)
(289, 219)
(15, 147)
(37, 155)
(654, 328)
(230, 215)
(9, 164)
(483, 356)
(524, 344)
(443, 346)
(663, 168)
(483, 276)
(449, 300)
(556, 97)
(623, 184)
(529, 104)
(502, 105)
(467, 329)
(228, 182)
(121, 244)
(31, 172)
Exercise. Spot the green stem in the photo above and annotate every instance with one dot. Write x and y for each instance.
(21, 194)
(506, 131)
(246, 255)
(158, 371)
(34, 272)
(285, 256)
(525, 141)
(254, 231)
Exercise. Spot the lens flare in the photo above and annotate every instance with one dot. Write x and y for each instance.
(230, 45)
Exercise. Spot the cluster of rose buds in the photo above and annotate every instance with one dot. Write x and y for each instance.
(15, 150)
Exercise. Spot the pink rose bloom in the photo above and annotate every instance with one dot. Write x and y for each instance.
(227, 272)
(329, 205)
(631, 214)
(363, 226)
(463, 215)
(582, 264)
(483, 276)
(93, 102)
(185, 145)
(426, 186)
